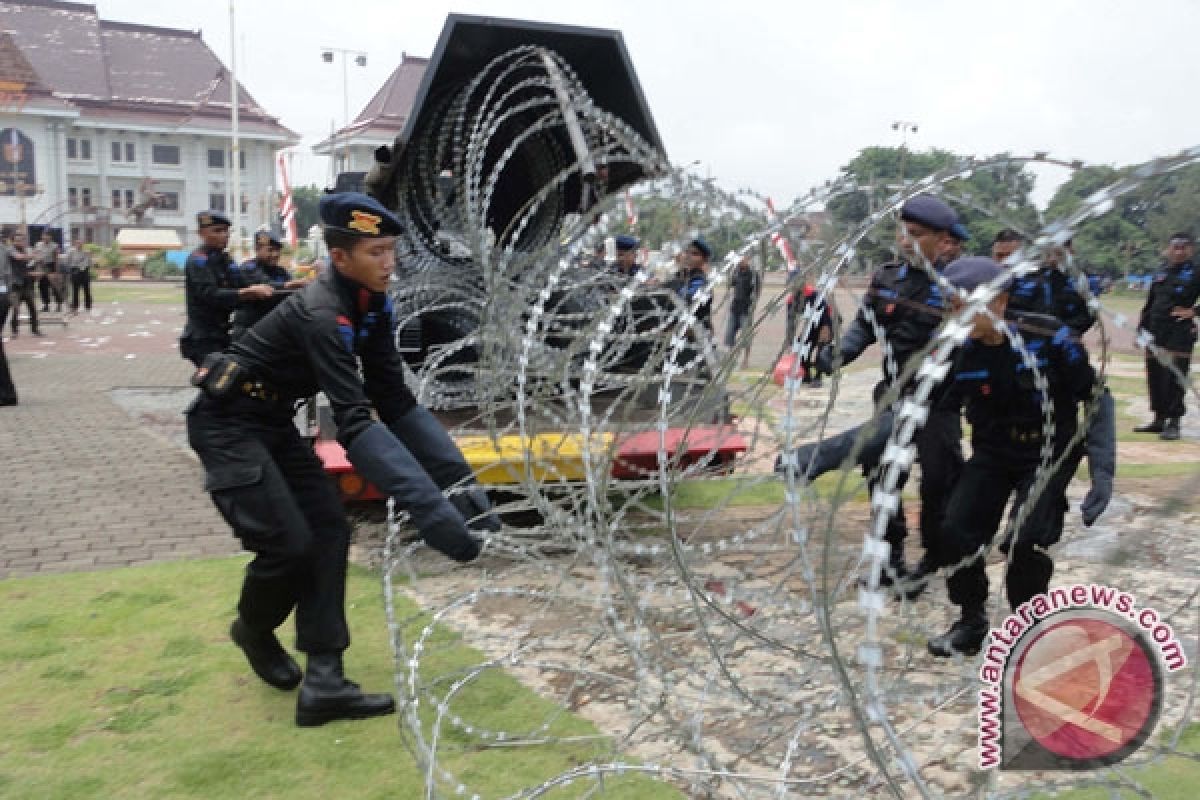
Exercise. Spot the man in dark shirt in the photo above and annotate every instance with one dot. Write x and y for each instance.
(695, 277)
(20, 262)
(745, 292)
(1047, 291)
(8, 393)
(905, 302)
(264, 268)
(1169, 315)
(1006, 409)
(213, 289)
(271, 488)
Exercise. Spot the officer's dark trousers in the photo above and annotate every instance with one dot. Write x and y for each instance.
(8, 393)
(272, 490)
(1166, 391)
(939, 452)
(24, 294)
(81, 284)
(47, 285)
(973, 517)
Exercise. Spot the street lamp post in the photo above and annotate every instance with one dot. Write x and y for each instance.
(905, 127)
(360, 59)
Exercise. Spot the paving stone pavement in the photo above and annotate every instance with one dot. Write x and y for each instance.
(85, 485)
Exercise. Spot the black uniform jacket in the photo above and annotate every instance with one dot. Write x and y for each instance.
(212, 294)
(908, 305)
(317, 339)
(1003, 404)
(1172, 287)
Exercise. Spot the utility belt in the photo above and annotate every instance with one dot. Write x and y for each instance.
(1018, 434)
(221, 377)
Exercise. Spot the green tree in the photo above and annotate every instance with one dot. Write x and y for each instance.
(986, 200)
(306, 200)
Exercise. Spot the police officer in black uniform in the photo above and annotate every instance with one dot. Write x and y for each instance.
(270, 486)
(213, 290)
(1004, 406)
(1047, 291)
(907, 304)
(1169, 315)
(264, 268)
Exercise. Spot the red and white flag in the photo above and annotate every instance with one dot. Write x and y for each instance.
(780, 241)
(631, 215)
(287, 208)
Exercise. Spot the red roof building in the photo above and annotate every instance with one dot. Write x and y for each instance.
(111, 124)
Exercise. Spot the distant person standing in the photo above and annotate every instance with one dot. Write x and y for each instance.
(746, 285)
(695, 277)
(1169, 315)
(19, 258)
(819, 334)
(45, 257)
(79, 267)
(213, 289)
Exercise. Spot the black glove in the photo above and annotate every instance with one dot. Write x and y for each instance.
(381, 458)
(823, 363)
(1102, 458)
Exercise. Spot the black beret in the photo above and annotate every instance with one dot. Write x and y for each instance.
(357, 214)
(626, 242)
(960, 232)
(266, 237)
(701, 245)
(927, 210)
(969, 272)
(206, 219)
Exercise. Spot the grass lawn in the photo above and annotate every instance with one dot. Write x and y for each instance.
(137, 292)
(124, 684)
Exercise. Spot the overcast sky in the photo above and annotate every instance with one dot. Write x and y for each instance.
(775, 96)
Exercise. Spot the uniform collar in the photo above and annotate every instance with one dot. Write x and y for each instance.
(358, 297)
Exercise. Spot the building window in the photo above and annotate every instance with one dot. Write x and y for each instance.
(165, 154)
(85, 197)
(216, 202)
(124, 151)
(85, 149)
(72, 197)
(72, 149)
(216, 159)
(89, 235)
(168, 201)
(74, 233)
(242, 159)
(116, 198)
(129, 198)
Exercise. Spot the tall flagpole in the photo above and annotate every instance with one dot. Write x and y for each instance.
(236, 166)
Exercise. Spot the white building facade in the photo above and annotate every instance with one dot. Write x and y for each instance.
(108, 125)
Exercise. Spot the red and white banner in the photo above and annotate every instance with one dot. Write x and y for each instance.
(287, 208)
(631, 215)
(780, 241)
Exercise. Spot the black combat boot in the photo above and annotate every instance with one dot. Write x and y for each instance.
(267, 657)
(1170, 430)
(965, 636)
(1154, 427)
(326, 695)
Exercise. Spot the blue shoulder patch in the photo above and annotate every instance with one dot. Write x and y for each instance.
(346, 332)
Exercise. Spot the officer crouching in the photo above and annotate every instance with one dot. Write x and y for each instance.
(1004, 406)
(270, 486)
